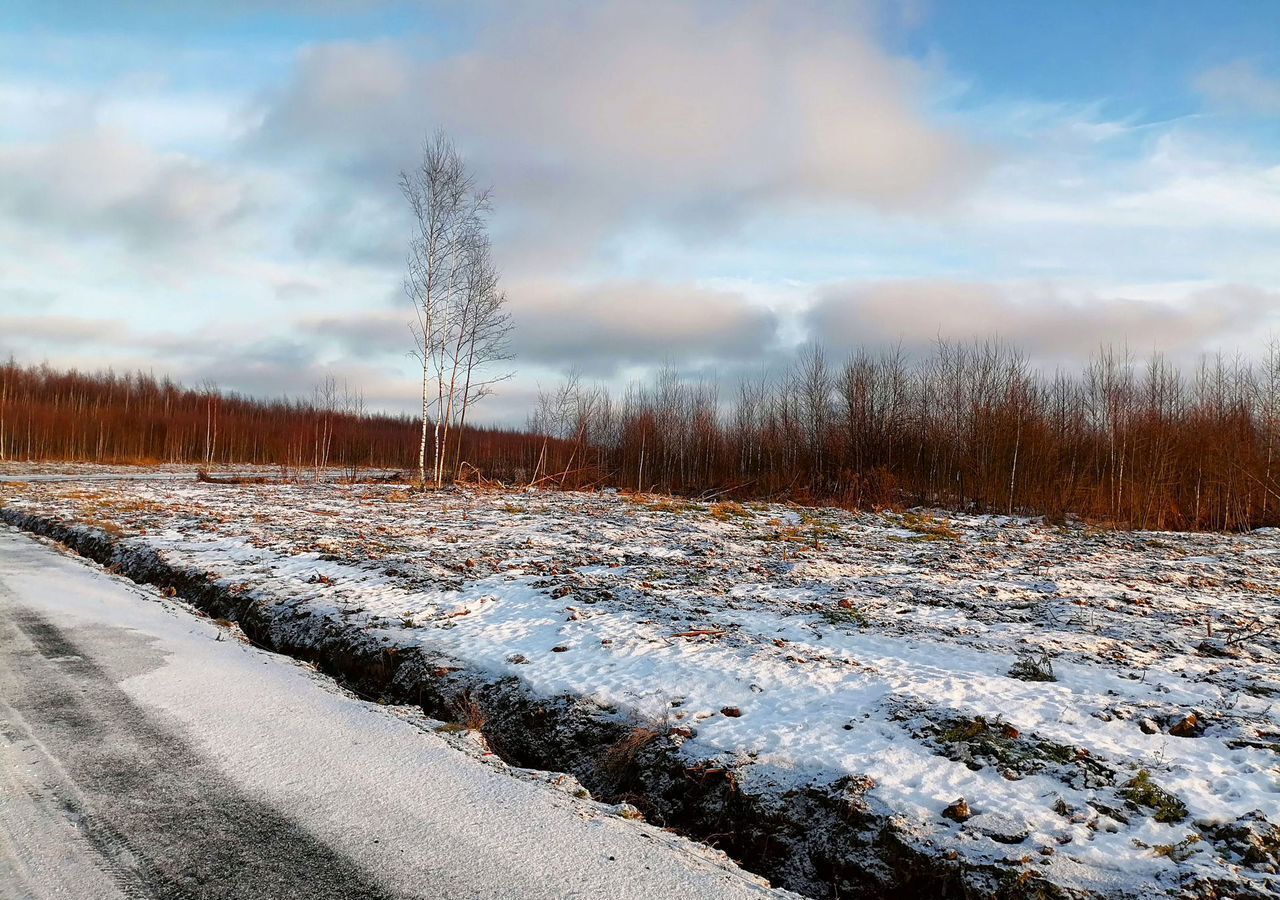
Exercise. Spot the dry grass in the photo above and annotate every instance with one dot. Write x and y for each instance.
(103, 525)
(667, 504)
(127, 506)
(728, 509)
(621, 756)
(468, 714)
(929, 527)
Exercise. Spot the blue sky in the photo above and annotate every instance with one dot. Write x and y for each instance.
(212, 193)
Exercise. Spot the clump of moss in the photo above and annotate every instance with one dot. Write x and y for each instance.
(1142, 791)
(965, 731)
(841, 615)
(977, 743)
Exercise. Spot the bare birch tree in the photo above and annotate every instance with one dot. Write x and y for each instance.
(449, 217)
(483, 336)
(461, 325)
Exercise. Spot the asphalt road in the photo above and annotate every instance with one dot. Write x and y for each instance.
(145, 754)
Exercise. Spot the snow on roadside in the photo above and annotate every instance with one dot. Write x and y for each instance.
(798, 643)
(376, 784)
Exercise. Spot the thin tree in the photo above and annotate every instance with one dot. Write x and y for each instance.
(480, 336)
(448, 213)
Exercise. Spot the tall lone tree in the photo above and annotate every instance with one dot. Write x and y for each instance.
(460, 325)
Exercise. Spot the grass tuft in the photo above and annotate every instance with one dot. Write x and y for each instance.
(621, 756)
(929, 528)
(728, 509)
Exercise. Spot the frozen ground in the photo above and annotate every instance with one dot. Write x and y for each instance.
(1104, 702)
(146, 752)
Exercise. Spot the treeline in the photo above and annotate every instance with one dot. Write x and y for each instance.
(47, 414)
(972, 426)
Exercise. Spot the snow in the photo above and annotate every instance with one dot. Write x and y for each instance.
(376, 783)
(851, 643)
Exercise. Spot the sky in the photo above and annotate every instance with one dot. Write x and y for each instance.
(212, 193)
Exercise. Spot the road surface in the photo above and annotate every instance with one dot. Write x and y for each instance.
(146, 753)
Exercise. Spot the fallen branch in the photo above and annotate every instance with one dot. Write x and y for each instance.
(559, 477)
(711, 495)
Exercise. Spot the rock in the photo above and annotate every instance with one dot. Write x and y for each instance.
(1215, 647)
(1148, 726)
(1189, 726)
(999, 827)
(958, 811)
(1252, 839)
(627, 811)
(561, 781)
(845, 603)
(731, 711)
(560, 649)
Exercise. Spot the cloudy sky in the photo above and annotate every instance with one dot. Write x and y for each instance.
(212, 194)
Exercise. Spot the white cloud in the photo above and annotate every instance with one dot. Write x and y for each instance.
(102, 184)
(606, 116)
(607, 326)
(1239, 87)
(1046, 321)
(601, 327)
(57, 330)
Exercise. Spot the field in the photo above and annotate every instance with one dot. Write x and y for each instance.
(870, 698)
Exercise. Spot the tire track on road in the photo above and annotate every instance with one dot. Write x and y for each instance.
(165, 823)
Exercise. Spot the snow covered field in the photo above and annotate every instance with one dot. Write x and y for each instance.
(1103, 702)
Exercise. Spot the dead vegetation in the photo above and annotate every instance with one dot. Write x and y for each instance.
(929, 527)
(727, 509)
(468, 715)
(619, 759)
